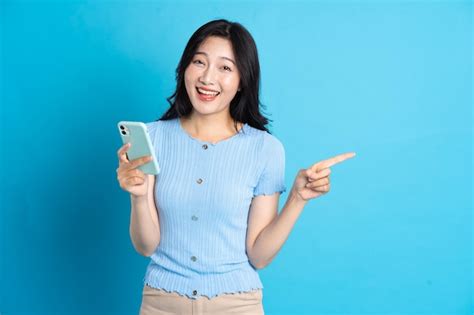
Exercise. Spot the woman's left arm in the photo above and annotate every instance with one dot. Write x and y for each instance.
(309, 184)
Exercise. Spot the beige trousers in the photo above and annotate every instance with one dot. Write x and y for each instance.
(160, 302)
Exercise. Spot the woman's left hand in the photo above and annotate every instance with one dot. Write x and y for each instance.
(314, 181)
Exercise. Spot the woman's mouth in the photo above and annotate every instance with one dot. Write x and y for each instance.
(206, 96)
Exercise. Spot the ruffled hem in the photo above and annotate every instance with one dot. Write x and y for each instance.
(209, 284)
(203, 295)
(270, 191)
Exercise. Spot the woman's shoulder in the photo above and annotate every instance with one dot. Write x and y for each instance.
(157, 124)
(266, 141)
(157, 129)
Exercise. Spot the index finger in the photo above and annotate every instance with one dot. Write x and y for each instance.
(332, 161)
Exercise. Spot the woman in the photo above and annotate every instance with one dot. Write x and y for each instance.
(212, 218)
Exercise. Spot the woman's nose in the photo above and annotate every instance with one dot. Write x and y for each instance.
(207, 76)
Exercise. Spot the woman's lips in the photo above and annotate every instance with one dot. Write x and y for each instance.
(206, 98)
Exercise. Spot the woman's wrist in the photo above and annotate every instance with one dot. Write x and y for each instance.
(138, 199)
(294, 196)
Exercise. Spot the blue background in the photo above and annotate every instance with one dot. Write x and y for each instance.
(391, 81)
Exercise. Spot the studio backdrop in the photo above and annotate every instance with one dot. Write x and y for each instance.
(389, 80)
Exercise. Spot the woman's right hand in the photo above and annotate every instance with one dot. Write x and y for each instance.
(132, 179)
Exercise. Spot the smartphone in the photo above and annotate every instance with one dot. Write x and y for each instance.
(136, 133)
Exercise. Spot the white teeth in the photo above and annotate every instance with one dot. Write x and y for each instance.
(207, 92)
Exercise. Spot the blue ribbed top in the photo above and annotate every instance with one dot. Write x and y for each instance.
(203, 195)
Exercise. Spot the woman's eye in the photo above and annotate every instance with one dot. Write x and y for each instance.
(196, 61)
(227, 68)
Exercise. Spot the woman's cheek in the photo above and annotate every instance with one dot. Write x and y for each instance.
(231, 84)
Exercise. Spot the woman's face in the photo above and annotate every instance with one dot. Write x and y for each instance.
(212, 68)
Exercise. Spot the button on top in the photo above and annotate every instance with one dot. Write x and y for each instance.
(199, 181)
(193, 258)
(194, 218)
(204, 146)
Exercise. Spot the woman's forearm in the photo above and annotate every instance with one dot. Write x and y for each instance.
(144, 233)
(272, 238)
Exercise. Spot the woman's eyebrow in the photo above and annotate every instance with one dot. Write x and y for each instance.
(223, 57)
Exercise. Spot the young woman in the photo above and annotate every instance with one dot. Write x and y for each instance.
(211, 218)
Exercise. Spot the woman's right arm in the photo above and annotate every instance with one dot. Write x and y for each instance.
(144, 223)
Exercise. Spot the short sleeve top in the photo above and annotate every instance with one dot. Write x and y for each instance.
(203, 195)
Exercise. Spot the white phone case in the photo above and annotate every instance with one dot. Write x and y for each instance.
(136, 133)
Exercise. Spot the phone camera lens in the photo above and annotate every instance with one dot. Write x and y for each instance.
(124, 132)
(122, 127)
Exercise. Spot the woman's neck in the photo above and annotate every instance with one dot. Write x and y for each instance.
(210, 129)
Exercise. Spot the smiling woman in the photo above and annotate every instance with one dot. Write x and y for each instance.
(218, 80)
(210, 219)
(213, 125)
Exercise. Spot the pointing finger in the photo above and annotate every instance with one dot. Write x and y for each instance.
(332, 161)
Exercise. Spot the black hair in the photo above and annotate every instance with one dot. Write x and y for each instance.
(244, 107)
